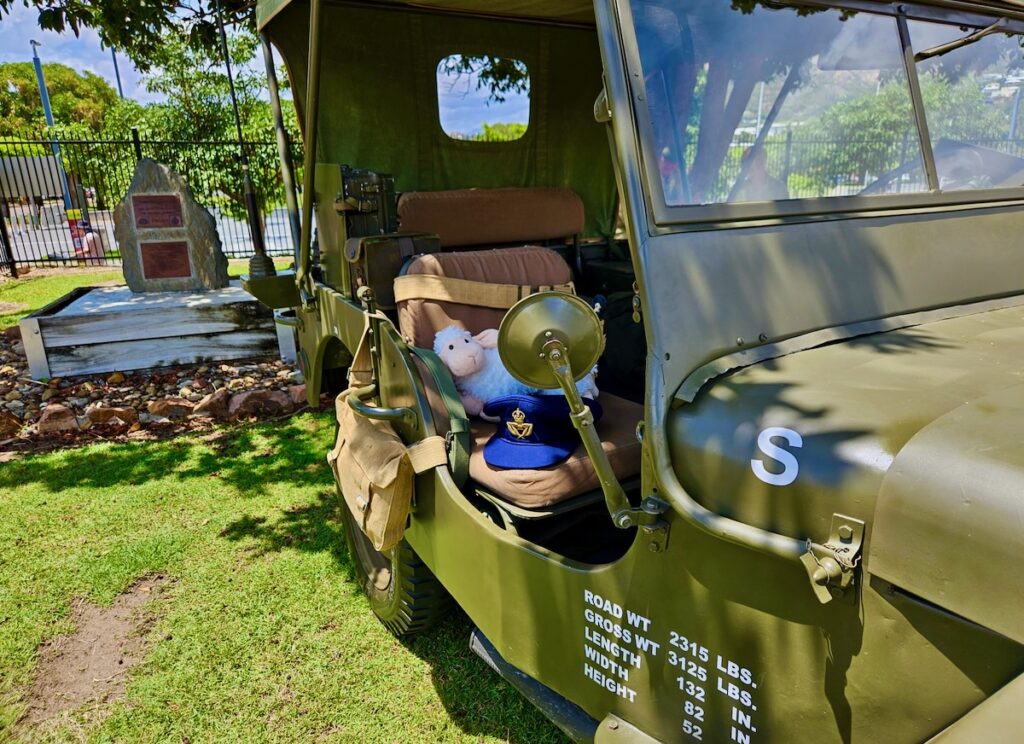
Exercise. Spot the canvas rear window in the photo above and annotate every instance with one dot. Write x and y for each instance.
(483, 98)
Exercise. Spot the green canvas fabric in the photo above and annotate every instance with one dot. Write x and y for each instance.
(379, 105)
(565, 11)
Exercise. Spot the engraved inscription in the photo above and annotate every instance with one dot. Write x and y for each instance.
(157, 210)
(167, 260)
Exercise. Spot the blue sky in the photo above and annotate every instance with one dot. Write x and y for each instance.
(464, 108)
(82, 52)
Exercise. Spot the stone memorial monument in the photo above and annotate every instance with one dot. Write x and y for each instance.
(168, 242)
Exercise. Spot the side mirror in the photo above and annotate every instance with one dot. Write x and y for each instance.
(550, 340)
(537, 325)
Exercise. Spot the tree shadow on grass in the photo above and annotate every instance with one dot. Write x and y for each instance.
(479, 702)
(313, 527)
(247, 459)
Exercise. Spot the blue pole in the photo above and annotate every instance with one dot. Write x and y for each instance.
(117, 73)
(44, 95)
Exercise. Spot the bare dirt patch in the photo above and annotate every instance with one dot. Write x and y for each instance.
(91, 665)
(8, 308)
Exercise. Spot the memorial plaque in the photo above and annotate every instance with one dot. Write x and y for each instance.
(165, 260)
(156, 211)
(168, 242)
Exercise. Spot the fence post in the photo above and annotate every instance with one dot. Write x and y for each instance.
(788, 156)
(903, 158)
(137, 143)
(7, 252)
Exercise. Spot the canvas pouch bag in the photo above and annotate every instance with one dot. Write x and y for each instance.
(376, 471)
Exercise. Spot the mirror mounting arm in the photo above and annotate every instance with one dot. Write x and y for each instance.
(623, 515)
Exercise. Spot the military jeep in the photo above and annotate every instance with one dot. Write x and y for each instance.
(790, 237)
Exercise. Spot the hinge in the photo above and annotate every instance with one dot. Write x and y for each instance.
(653, 529)
(832, 567)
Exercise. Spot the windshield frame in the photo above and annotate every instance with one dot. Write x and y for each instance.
(664, 217)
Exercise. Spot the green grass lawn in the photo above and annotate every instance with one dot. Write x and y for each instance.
(22, 296)
(261, 635)
(19, 297)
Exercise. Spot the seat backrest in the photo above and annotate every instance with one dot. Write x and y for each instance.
(491, 217)
(529, 266)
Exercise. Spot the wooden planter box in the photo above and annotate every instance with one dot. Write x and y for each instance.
(108, 329)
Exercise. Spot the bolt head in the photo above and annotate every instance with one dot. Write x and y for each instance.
(654, 547)
(846, 533)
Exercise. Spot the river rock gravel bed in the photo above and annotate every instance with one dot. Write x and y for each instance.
(147, 404)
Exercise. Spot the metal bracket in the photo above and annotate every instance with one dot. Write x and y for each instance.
(832, 567)
(653, 529)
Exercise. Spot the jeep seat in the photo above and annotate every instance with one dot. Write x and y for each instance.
(465, 218)
(529, 268)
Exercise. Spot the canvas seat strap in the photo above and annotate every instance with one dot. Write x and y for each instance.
(468, 292)
(428, 453)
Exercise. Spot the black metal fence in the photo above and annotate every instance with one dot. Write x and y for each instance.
(58, 194)
(814, 167)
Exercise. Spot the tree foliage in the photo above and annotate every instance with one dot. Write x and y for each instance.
(137, 27)
(74, 97)
(874, 133)
(500, 132)
(198, 107)
(499, 76)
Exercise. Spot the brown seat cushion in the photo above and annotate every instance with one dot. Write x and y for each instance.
(476, 217)
(419, 320)
(534, 489)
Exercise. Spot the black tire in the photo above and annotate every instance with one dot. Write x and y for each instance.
(404, 594)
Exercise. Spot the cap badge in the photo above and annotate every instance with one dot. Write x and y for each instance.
(519, 427)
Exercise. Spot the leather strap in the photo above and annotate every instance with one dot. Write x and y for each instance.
(458, 423)
(428, 453)
(466, 291)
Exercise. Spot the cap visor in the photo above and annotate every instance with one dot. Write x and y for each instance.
(500, 453)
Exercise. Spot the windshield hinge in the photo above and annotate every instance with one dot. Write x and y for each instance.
(832, 567)
(647, 518)
(637, 307)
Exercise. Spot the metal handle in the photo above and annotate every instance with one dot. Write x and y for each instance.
(395, 415)
(289, 321)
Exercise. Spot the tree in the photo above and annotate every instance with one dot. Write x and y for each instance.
(198, 108)
(501, 132)
(82, 98)
(875, 133)
(500, 76)
(137, 27)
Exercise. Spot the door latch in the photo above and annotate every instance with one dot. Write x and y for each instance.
(832, 567)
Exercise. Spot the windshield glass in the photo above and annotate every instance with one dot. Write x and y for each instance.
(773, 105)
(972, 101)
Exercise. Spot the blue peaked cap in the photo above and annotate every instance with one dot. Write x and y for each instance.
(534, 431)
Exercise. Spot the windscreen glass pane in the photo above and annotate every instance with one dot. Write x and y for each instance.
(771, 105)
(972, 100)
(483, 98)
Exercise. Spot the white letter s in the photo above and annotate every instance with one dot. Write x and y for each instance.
(790, 466)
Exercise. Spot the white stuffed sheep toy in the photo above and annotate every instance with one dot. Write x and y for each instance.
(474, 363)
(587, 386)
(479, 373)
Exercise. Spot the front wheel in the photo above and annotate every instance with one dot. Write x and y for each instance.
(404, 594)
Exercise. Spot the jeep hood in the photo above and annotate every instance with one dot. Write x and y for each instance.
(918, 432)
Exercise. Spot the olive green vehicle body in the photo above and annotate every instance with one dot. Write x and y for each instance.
(889, 335)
